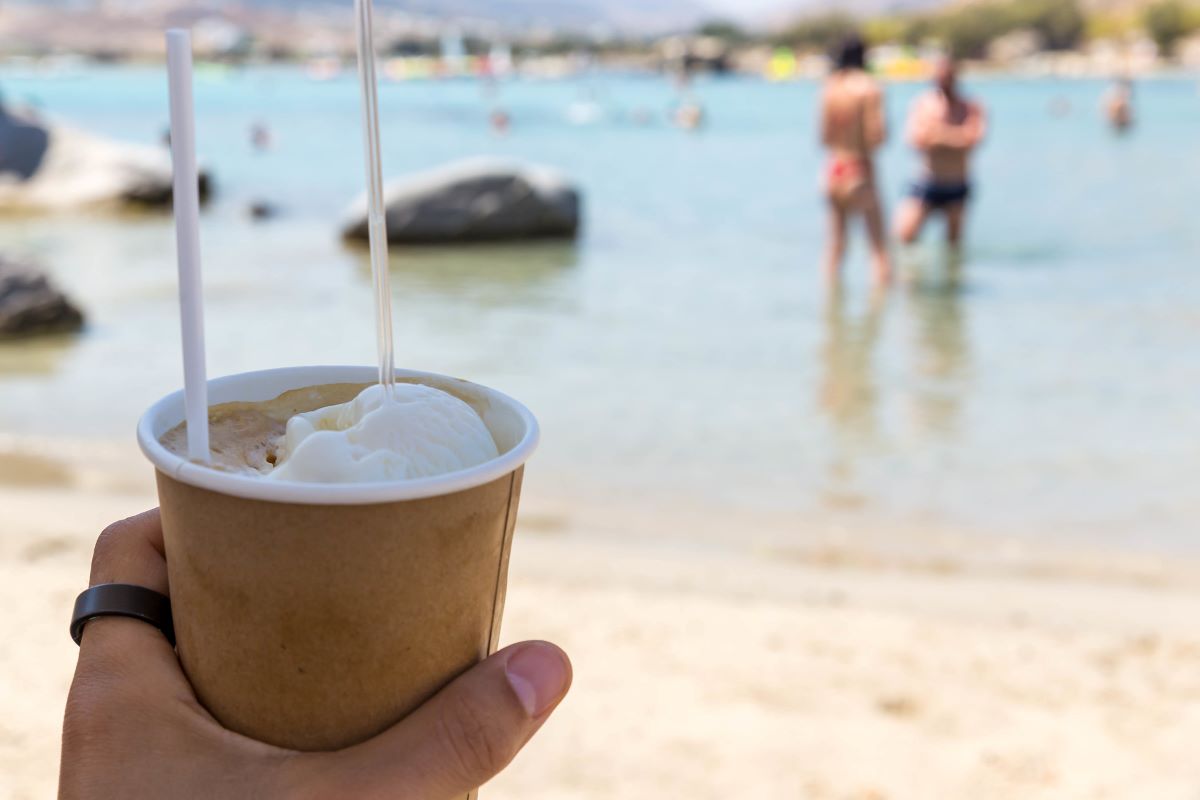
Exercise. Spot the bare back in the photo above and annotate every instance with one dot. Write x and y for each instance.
(852, 118)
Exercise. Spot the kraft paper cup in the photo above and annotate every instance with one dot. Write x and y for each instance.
(314, 617)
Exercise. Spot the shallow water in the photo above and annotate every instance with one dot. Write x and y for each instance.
(683, 354)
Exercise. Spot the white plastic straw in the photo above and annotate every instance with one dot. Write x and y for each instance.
(376, 213)
(187, 234)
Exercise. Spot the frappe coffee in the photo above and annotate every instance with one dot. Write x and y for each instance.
(313, 615)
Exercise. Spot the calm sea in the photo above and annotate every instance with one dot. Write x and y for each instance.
(683, 355)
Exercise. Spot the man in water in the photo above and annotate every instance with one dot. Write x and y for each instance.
(946, 128)
(260, 137)
(1118, 105)
(853, 127)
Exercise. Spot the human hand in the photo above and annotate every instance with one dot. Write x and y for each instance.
(134, 728)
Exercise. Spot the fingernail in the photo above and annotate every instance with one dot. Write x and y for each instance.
(539, 675)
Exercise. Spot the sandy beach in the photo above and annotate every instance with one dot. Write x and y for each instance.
(711, 674)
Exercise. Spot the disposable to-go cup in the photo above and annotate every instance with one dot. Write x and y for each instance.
(314, 617)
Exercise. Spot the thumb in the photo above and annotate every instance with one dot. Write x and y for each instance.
(460, 739)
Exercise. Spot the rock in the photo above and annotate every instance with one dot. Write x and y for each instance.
(24, 146)
(46, 168)
(262, 210)
(30, 304)
(477, 200)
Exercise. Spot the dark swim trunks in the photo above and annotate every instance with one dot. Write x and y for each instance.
(941, 195)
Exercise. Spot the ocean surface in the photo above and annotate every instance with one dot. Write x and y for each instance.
(683, 354)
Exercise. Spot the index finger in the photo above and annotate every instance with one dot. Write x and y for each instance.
(131, 551)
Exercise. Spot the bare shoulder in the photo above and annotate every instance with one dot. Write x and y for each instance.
(872, 89)
(925, 103)
(832, 88)
(866, 86)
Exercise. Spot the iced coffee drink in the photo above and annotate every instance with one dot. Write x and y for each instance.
(345, 553)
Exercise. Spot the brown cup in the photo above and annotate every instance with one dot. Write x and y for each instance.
(313, 617)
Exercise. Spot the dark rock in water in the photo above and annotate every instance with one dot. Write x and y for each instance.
(47, 168)
(263, 210)
(478, 200)
(153, 194)
(25, 146)
(31, 305)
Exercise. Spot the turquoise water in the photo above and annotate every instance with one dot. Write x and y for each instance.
(683, 354)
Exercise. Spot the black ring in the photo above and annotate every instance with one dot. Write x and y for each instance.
(123, 600)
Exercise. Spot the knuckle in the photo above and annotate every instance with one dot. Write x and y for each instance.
(108, 545)
(476, 742)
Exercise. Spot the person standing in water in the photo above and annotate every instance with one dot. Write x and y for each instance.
(945, 128)
(1118, 105)
(853, 127)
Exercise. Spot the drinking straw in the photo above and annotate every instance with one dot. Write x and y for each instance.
(376, 219)
(187, 235)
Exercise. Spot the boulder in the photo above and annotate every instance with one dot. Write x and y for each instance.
(46, 168)
(31, 305)
(477, 200)
(262, 210)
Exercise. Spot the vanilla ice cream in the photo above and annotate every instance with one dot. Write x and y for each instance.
(419, 432)
(345, 433)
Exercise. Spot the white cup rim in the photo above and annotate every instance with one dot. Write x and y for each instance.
(268, 384)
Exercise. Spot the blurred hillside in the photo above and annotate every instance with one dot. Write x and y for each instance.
(782, 38)
(1141, 33)
(579, 15)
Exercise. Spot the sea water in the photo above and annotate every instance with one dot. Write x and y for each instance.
(683, 354)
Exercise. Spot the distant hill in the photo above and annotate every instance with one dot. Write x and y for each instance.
(765, 12)
(768, 11)
(633, 15)
(652, 16)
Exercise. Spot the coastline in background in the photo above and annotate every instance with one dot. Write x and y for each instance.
(1065, 37)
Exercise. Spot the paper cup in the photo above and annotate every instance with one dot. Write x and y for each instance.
(313, 617)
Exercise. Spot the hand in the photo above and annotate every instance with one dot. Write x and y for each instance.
(134, 728)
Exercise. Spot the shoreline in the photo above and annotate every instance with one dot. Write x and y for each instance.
(677, 525)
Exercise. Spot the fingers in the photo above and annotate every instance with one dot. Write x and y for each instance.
(460, 739)
(133, 726)
(127, 674)
(130, 551)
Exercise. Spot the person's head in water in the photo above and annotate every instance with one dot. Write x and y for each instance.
(851, 54)
(945, 76)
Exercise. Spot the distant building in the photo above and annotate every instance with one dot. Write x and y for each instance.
(1188, 52)
(219, 38)
(695, 54)
(1015, 46)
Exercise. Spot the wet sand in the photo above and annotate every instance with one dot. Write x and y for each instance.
(834, 673)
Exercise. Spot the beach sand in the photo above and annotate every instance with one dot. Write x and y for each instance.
(702, 673)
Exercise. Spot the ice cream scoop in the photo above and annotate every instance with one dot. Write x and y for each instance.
(417, 432)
